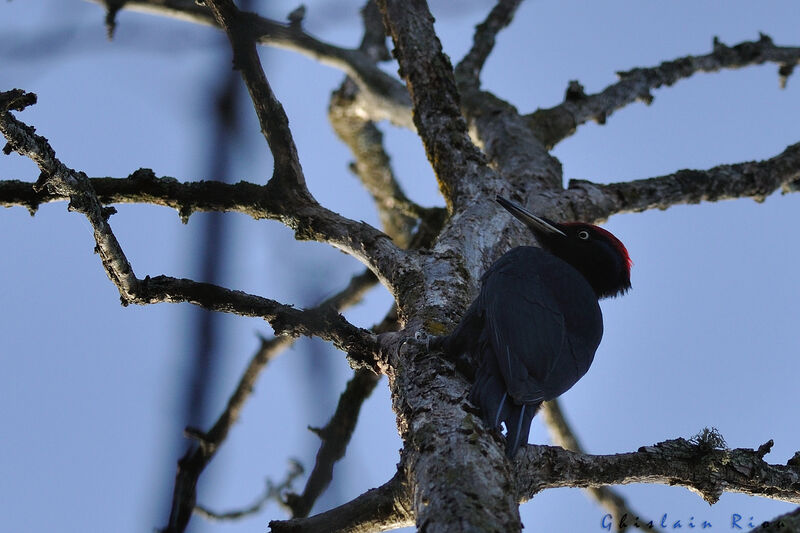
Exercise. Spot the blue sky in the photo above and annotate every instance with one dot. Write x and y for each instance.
(91, 391)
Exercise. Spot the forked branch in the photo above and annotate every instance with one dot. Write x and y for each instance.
(699, 464)
(335, 437)
(192, 464)
(555, 124)
(437, 110)
(60, 180)
(385, 97)
(379, 509)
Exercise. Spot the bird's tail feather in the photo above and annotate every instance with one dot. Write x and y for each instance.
(489, 393)
(519, 425)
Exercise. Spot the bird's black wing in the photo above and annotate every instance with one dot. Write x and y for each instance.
(525, 324)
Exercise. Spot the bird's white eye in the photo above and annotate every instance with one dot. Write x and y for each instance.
(583, 234)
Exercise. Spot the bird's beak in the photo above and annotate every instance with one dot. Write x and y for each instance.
(536, 224)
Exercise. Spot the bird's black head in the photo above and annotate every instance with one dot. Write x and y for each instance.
(594, 252)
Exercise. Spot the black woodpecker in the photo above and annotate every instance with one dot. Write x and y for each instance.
(536, 324)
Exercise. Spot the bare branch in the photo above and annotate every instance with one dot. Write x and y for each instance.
(384, 97)
(698, 465)
(437, 110)
(59, 179)
(555, 124)
(271, 492)
(365, 141)
(373, 44)
(371, 164)
(324, 323)
(562, 434)
(238, 514)
(752, 179)
(144, 187)
(310, 222)
(192, 464)
(469, 69)
(335, 437)
(274, 124)
(268, 350)
(347, 297)
(397, 212)
(380, 509)
(513, 150)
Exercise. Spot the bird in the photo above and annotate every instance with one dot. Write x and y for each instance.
(535, 326)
